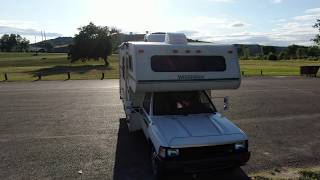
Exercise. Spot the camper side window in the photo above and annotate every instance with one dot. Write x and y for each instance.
(146, 102)
(130, 63)
(123, 67)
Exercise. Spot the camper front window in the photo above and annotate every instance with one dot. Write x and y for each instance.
(182, 103)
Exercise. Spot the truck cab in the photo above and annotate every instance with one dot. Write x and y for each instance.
(186, 133)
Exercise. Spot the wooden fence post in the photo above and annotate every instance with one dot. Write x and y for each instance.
(102, 76)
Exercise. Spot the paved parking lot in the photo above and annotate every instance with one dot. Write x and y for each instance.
(53, 129)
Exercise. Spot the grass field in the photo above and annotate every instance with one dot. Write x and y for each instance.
(275, 68)
(54, 66)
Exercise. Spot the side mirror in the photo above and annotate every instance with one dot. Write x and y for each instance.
(128, 107)
(226, 103)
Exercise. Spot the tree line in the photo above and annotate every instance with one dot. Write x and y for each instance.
(275, 53)
(13, 43)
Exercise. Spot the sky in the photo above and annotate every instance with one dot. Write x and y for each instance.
(267, 22)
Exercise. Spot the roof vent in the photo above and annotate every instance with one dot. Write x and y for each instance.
(176, 38)
(154, 37)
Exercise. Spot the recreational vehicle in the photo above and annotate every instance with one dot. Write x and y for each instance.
(165, 86)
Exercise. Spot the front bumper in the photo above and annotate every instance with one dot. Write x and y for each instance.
(215, 163)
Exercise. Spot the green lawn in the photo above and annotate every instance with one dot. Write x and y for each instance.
(54, 66)
(274, 68)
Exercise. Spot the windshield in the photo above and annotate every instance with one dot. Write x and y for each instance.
(181, 103)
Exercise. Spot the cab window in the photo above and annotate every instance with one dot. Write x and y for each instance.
(146, 102)
(182, 103)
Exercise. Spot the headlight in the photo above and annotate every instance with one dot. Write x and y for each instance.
(240, 146)
(172, 152)
(168, 152)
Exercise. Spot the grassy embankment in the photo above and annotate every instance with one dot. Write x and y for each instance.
(54, 66)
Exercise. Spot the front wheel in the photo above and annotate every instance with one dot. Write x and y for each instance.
(157, 170)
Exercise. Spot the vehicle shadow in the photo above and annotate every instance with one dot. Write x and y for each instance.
(132, 161)
(65, 69)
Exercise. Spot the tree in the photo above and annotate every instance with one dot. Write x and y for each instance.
(92, 42)
(301, 53)
(272, 56)
(22, 44)
(246, 53)
(283, 55)
(12, 42)
(292, 51)
(316, 40)
(268, 49)
(4, 43)
(313, 51)
(243, 52)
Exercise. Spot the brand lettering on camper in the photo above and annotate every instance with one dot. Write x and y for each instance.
(190, 77)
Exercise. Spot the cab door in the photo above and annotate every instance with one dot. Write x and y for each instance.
(146, 111)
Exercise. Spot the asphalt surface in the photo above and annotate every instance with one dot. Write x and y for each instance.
(54, 129)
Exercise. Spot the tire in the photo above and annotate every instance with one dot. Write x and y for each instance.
(157, 170)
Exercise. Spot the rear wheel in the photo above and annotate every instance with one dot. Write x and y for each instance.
(157, 170)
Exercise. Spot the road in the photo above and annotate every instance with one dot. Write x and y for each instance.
(53, 129)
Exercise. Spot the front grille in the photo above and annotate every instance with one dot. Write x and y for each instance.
(196, 153)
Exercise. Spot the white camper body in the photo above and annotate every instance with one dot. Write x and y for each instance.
(136, 61)
(151, 72)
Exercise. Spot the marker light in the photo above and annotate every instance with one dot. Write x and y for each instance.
(162, 152)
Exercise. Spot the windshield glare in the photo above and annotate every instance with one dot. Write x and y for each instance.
(181, 103)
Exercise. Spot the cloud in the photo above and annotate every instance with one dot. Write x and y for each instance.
(277, 1)
(313, 11)
(221, 1)
(309, 15)
(188, 32)
(282, 20)
(284, 32)
(272, 38)
(218, 23)
(238, 25)
(25, 32)
(18, 23)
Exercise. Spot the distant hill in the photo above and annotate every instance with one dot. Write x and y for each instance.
(58, 45)
(59, 41)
